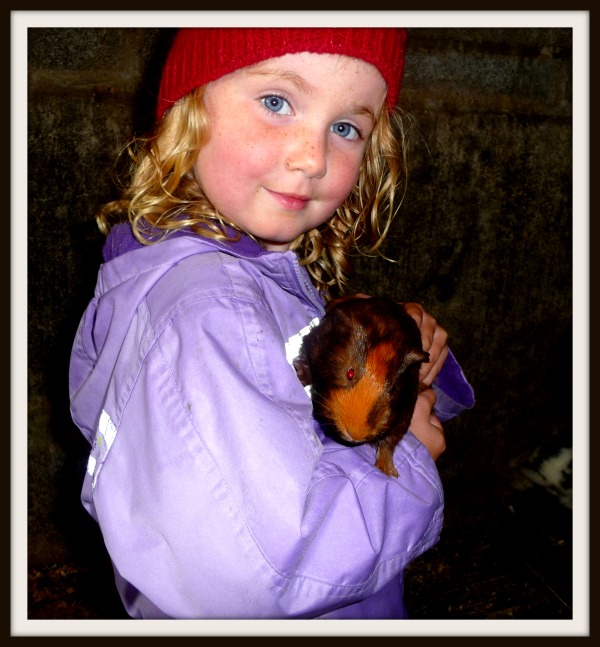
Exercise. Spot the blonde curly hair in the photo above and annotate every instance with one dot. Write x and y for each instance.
(160, 194)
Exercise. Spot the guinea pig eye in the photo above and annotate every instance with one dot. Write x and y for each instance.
(350, 374)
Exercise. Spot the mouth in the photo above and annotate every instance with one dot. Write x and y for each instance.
(291, 201)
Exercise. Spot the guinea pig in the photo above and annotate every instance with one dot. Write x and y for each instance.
(362, 364)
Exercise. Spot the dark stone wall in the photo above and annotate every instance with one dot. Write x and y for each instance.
(483, 239)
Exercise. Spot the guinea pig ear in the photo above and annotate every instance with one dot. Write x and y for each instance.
(414, 356)
(334, 302)
(302, 370)
(347, 297)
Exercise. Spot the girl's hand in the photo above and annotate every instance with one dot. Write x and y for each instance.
(426, 426)
(434, 339)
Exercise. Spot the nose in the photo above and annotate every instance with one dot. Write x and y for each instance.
(308, 154)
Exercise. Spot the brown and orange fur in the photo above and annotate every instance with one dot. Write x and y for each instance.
(362, 362)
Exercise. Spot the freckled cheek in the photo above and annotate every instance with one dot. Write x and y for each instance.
(253, 155)
(259, 155)
(345, 175)
(225, 159)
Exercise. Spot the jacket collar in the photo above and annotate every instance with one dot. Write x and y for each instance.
(121, 240)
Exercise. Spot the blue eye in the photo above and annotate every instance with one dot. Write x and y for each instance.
(276, 104)
(347, 131)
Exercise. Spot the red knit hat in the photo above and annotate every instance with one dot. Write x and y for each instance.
(206, 54)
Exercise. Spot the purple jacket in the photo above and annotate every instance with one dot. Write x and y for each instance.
(217, 494)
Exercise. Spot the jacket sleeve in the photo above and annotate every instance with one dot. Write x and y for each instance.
(453, 391)
(220, 498)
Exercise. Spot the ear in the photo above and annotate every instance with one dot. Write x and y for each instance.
(302, 370)
(347, 297)
(334, 302)
(414, 356)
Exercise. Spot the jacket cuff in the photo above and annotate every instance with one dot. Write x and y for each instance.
(453, 391)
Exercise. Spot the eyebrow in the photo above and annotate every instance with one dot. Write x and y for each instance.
(302, 84)
(296, 79)
(364, 110)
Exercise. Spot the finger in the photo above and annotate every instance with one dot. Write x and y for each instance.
(425, 322)
(428, 372)
(439, 342)
(434, 340)
(415, 310)
(433, 336)
(437, 356)
(436, 442)
(426, 426)
(435, 422)
(425, 402)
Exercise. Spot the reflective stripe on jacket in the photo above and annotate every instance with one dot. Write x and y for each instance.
(216, 493)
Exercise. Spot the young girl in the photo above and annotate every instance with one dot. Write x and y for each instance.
(275, 156)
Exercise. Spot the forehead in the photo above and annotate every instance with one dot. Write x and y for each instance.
(310, 71)
(310, 59)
